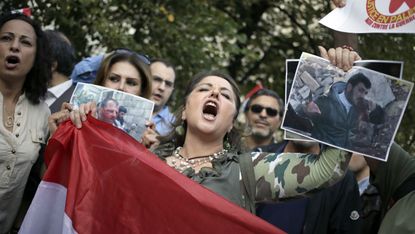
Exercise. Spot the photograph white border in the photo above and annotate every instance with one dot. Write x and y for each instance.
(326, 62)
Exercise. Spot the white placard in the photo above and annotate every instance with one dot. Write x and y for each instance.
(373, 16)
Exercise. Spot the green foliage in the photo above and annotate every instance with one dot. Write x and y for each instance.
(250, 39)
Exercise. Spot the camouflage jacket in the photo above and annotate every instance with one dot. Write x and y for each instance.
(292, 174)
(275, 175)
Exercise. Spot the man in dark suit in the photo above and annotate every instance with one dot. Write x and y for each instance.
(63, 57)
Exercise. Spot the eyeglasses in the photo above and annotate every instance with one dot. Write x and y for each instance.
(271, 112)
(144, 58)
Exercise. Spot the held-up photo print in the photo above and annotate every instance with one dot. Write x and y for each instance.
(389, 67)
(358, 111)
(290, 68)
(123, 110)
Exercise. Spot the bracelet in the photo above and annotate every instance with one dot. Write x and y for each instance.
(347, 47)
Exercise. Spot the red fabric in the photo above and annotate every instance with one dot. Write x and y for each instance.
(255, 89)
(115, 185)
(27, 11)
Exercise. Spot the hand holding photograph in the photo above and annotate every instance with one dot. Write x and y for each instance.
(358, 111)
(122, 110)
(389, 67)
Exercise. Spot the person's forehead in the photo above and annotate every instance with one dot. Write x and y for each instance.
(111, 103)
(266, 100)
(20, 26)
(215, 81)
(124, 67)
(161, 70)
(360, 85)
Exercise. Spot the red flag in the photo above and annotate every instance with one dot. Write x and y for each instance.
(251, 92)
(101, 180)
(25, 11)
(255, 89)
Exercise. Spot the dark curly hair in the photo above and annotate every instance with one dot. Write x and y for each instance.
(359, 78)
(177, 137)
(36, 82)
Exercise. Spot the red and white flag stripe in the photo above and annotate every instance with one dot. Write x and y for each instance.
(101, 180)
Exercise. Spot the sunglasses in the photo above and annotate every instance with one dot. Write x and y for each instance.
(271, 112)
(144, 58)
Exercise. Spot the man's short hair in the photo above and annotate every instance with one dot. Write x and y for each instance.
(266, 92)
(105, 102)
(359, 78)
(166, 63)
(122, 109)
(61, 51)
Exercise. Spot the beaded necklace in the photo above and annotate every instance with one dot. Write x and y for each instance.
(181, 163)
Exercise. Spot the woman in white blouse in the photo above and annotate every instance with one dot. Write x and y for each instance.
(24, 73)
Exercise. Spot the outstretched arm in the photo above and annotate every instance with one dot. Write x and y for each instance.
(291, 174)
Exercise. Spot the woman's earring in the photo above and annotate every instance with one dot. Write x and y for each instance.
(226, 143)
(180, 130)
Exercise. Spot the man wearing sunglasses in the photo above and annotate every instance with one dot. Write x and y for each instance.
(263, 113)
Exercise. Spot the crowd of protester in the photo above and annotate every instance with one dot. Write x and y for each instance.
(37, 78)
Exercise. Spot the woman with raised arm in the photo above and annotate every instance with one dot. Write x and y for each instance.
(205, 147)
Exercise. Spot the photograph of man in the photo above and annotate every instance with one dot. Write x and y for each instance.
(338, 115)
(359, 111)
(122, 111)
(108, 111)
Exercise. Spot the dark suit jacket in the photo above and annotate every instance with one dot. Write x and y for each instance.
(65, 97)
(34, 179)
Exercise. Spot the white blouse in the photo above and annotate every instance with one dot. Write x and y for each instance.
(19, 150)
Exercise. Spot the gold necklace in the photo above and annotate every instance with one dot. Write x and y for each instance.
(181, 163)
(9, 120)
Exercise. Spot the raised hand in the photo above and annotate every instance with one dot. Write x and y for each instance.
(149, 139)
(341, 57)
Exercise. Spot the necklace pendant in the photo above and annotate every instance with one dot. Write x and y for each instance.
(9, 121)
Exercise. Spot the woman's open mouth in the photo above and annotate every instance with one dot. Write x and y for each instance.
(12, 61)
(210, 110)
